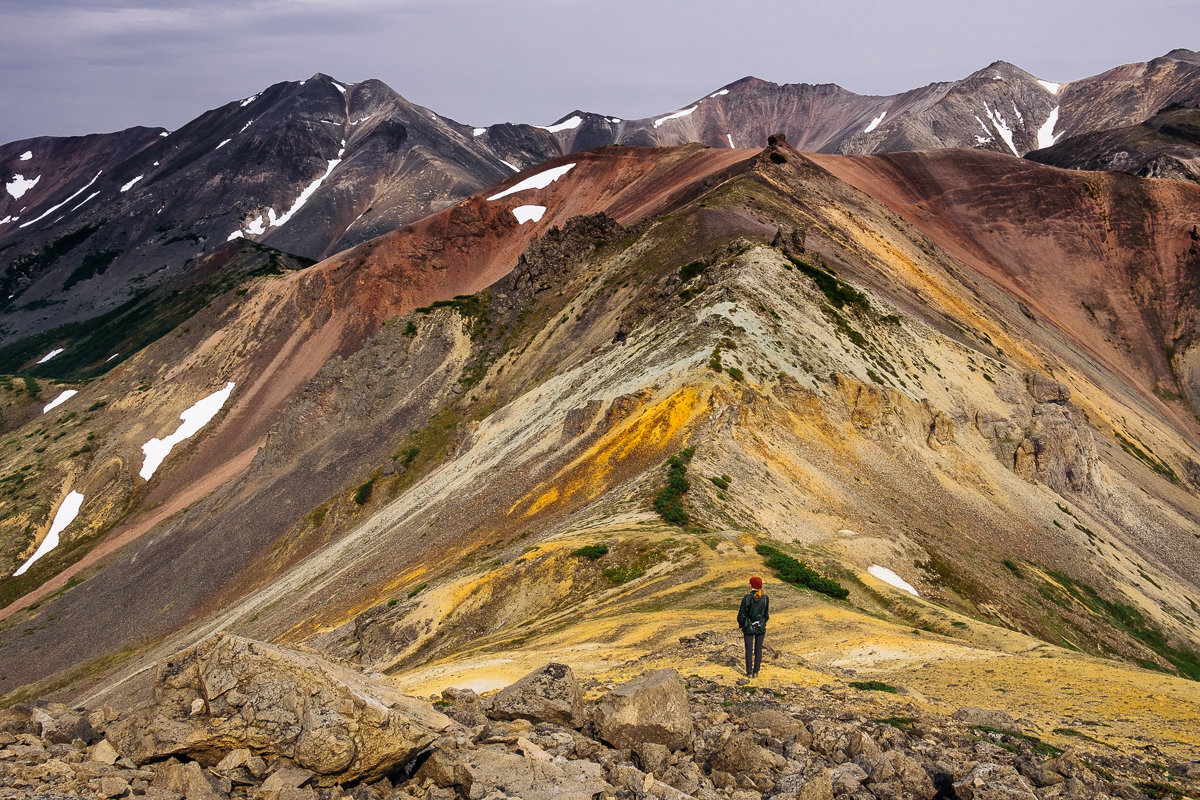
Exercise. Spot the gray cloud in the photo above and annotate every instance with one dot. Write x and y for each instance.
(81, 66)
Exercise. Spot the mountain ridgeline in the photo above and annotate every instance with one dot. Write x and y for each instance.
(330, 375)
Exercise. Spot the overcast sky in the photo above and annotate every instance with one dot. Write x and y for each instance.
(70, 67)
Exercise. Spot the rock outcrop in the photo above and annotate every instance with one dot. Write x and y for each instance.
(228, 693)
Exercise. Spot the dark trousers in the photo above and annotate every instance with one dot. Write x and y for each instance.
(753, 652)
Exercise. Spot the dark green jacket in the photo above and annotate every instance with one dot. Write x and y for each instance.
(754, 609)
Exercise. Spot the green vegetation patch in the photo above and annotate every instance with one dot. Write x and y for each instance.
(669, 501)
(1148, 459)
(1002, 737)
(691, 270)
(94, 263)
(363, 493)
(873, 686)
(1129, 620)
(838, 293)
(140, 321)
(796, 572)
(591, 551)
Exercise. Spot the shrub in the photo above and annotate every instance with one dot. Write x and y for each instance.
(873, 686)
(669, 502)
(363, 493)
(417, 590)
(410, 329)
(591, 551)
(722, 482)
(735, 373)
(691, 270)
(796, 572)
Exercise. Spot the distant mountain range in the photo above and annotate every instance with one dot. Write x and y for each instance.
(314, 167)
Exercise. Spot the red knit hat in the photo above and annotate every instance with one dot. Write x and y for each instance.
(756, 582)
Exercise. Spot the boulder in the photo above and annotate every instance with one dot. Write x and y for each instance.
(66, 728)
(903, 771)
(994, 782)
(275, 702)
(550, 694)
(650, 708)
(479, 772)
(185, 779)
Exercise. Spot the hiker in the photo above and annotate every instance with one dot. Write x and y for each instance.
(752, 619)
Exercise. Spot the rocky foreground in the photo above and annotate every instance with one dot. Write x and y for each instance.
(236, 718)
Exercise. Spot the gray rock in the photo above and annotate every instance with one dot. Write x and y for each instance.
(650, 708)
(994, 782)
(477, 773)
(550, 694)
(276, 702)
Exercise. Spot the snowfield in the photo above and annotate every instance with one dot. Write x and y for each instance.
(65, 516)
(1001, 128)
(676, 115)
(538, 181)
(528, 213)
(156, 450)
(50, 355)
(129, 185)
(875, 123)
(50, 211)
(19, 185)
(1050, 86)
(887, 576)
(58, 401)
(28, 154)
(1046, 135)
(565, 125)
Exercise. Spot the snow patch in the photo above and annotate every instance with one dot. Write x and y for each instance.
(258, 227)
(538, 181)
(567, 124)
(129, 185)
(1046, 135)
(249, 100)
(730, 138)
(235, 235)
(339, 87)
(50, 355)
(65, 516)
(243, 130)
(719, 92)
(513, 167)
(1001, 128)
(58, 401)
(28, 154)
(1017, 111)
(528, 213)
(156, 450)
(89, 197)
(362, 119)
(19, 185)
(165, 134)
(1050, 86)
(222, 144)
(875, 123)
(676, 115)
(49, 211)
(614, 120)
(8, 219)
(887, 576)
(307, 193)
(479, 132)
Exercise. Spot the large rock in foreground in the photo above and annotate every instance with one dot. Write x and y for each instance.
(227, 693)
(550, 694)
(650, 708)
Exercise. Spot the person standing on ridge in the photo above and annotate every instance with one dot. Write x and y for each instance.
(752, 619)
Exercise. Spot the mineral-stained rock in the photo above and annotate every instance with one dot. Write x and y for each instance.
(650, 708)
(549, 694)
(276, 702)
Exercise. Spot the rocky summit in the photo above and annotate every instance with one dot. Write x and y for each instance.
(513, 441)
